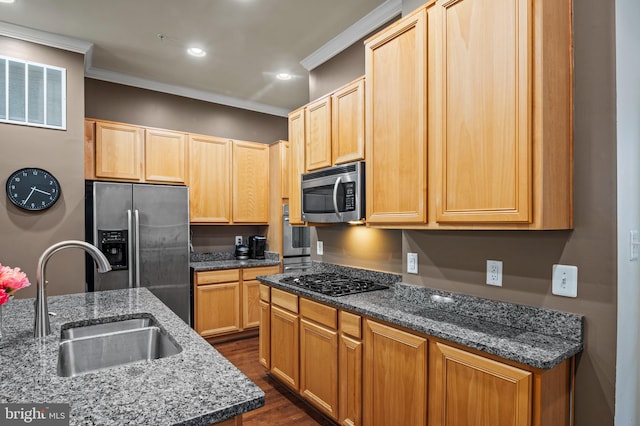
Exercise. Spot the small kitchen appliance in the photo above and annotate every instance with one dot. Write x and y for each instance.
(242, 252)
(257, 245)
(334, 194)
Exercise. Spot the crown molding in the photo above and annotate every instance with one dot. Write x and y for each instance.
(374, 19)
(142, 83)
(45, 38)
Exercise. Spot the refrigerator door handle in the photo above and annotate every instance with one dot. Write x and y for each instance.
(130, 246)
(137, 247)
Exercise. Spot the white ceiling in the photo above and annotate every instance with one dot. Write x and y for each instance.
(247, 42)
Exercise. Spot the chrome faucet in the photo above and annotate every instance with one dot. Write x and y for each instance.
(41, 327)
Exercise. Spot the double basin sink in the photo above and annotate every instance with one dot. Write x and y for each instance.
(111, 342)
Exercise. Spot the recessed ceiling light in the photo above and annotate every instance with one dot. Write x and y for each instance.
(7, 1)
(196, 51)
(283, 76)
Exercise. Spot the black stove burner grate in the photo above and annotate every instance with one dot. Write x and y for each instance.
(333, 284)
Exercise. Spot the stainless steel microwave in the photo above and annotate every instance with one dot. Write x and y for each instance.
(334, 194)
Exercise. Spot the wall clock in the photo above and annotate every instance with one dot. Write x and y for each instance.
(33, 189)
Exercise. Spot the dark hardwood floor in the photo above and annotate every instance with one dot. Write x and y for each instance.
(282, 407)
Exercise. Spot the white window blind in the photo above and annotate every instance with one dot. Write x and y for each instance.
(32, 94)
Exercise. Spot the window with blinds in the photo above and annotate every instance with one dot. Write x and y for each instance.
(32, 94)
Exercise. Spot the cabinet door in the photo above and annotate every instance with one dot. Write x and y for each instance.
(250, 182)
(483, 138)
(318, 136)
(319, 366)
(209, 179)
(296, 164)
(250, 304)
(217, 309)
(119, 151)
(350, 367)
(395, 63)
(264, 338)
(284, 346)
(395, 377)
(467, 389)
(164, 156)
(347, 123)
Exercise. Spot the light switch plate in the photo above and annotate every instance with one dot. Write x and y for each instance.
(319, 248)
(565, 280)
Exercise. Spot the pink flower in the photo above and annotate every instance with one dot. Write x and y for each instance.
(11, 280)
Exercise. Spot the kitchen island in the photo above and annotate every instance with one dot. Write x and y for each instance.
(196, 386)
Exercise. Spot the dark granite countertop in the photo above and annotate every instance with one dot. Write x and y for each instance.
(226, 260)
(537, 337)
(197, 386)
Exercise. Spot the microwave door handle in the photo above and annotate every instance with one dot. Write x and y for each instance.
(335, 195)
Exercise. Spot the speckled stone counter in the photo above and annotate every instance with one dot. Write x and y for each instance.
(197, 386)
(538, 337)
(226, 260)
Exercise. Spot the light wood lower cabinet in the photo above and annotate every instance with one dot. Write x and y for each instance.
(361, 371)
(395, 376)
(350, 370)
(228, 301)
(285, 344)
(319, 356)
(468, 389)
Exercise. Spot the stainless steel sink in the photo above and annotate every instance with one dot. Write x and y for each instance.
(89, 348)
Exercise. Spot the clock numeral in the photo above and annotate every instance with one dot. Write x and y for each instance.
(24, 174)
(50, 182)
(35, 173)
(43, 203)
(17, 179)
(33, 205)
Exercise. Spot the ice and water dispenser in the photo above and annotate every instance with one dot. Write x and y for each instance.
(113, 244)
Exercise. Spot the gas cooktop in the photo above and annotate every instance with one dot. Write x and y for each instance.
(333, 284)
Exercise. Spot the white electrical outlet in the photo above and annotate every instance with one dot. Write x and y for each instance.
(319, 248)
(412, 263)
(238, 240)
(565, 280)
(494, 272)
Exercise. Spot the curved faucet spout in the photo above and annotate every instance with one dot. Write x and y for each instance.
(41, 325)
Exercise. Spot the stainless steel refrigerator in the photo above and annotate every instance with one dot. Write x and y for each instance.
(144, 232)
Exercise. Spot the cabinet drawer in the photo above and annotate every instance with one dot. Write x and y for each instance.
(319, 313)
(252, 273)
(214, 277)
(284, 300)
(350, 324)
(265, 293)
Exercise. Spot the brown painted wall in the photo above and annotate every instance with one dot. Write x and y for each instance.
(116, 102)
(455, 260)
(23, 235)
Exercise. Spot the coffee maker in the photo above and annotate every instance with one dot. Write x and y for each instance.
(257, 246)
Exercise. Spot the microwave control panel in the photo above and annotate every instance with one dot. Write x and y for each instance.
(349, 196)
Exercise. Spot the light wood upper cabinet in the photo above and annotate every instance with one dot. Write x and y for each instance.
(250, 178)
(165, 156)
(318, 134)
(296, 164)
(118, 151)
(209, 179)
(395, 376)
(347, 123)
(467, 389)
(396, 136)
(501, 81)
